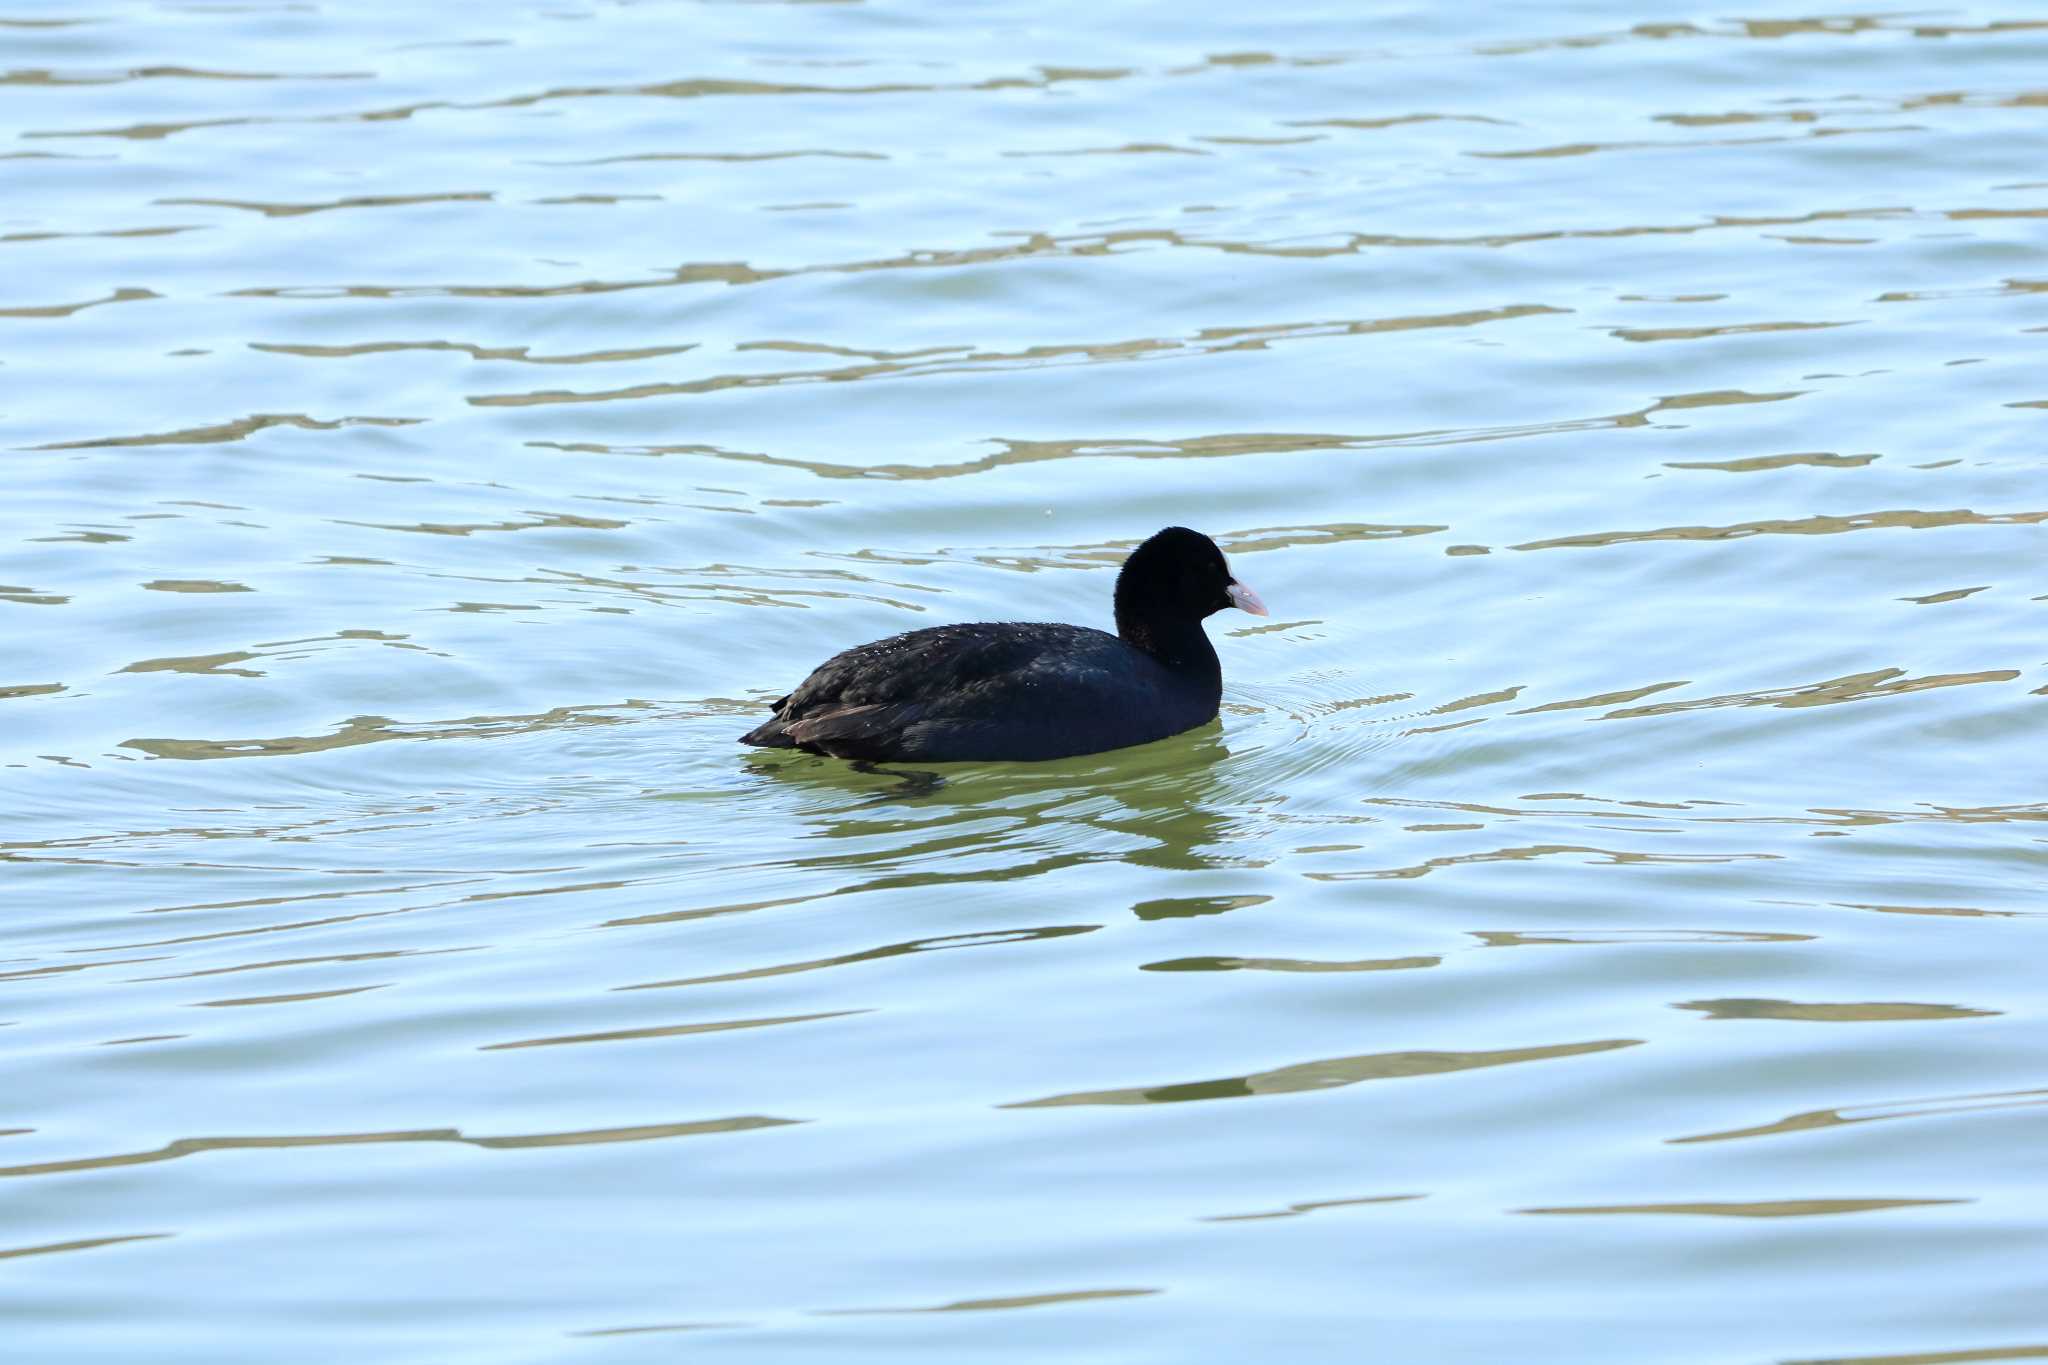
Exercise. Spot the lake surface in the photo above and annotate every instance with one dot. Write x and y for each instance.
(1606, 923)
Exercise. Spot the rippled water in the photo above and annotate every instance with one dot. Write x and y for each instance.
(1606, 924)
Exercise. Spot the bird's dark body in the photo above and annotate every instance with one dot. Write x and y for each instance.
(989, 690)
(1029, 690)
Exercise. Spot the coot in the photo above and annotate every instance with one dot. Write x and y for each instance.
(1029, 690)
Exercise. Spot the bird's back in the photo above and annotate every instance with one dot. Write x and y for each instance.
(987, 690)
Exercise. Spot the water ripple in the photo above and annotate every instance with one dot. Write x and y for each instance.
(1322, 1075)
(184, 1147)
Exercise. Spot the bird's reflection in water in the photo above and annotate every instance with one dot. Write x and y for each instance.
(911, 782)
(1158, 805)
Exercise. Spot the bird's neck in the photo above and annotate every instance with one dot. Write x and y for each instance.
(1181, 645)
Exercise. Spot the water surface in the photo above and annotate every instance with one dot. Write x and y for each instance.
(1605, 924)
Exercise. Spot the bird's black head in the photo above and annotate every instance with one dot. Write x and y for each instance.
(1170, 583)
